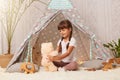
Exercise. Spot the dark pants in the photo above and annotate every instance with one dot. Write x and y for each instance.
(67, 66)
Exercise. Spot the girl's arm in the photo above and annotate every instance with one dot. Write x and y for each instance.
(59, 57)
(58, 49)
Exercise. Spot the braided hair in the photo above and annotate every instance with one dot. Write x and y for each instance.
(62, 25)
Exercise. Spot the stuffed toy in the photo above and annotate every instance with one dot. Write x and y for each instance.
(27, 67)
(108, 65)
(47, 49)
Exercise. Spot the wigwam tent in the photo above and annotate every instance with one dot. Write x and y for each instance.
(88, 47)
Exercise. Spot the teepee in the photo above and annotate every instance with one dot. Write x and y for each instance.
(88, 47)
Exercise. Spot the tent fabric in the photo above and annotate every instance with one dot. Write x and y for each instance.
(88, 47)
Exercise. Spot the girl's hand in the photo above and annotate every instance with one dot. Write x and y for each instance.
(53, 58)
(50, 58)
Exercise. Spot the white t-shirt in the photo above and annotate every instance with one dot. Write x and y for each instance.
(72, 42)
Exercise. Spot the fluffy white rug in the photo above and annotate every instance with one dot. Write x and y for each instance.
(113, 74)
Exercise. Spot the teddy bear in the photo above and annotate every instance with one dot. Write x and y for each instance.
(47, 49)
(108, 65)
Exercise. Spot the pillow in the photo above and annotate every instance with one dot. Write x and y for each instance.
(16, 68)
(96, 64)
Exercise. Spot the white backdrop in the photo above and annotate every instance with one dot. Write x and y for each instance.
(101, 16)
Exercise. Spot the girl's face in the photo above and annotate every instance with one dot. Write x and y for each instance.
(65, 32)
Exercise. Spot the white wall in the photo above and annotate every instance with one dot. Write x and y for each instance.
(0, 39)
(102, 17)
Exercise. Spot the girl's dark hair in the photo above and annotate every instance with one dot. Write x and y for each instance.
(62, 25)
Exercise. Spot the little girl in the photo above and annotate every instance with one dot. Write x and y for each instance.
(66, 46)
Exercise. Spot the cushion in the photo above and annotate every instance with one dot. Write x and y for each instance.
(96, 64)
(16, 67)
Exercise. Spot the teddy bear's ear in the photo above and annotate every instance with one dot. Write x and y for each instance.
(42, 44)
(111, 60)
(50, 43)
